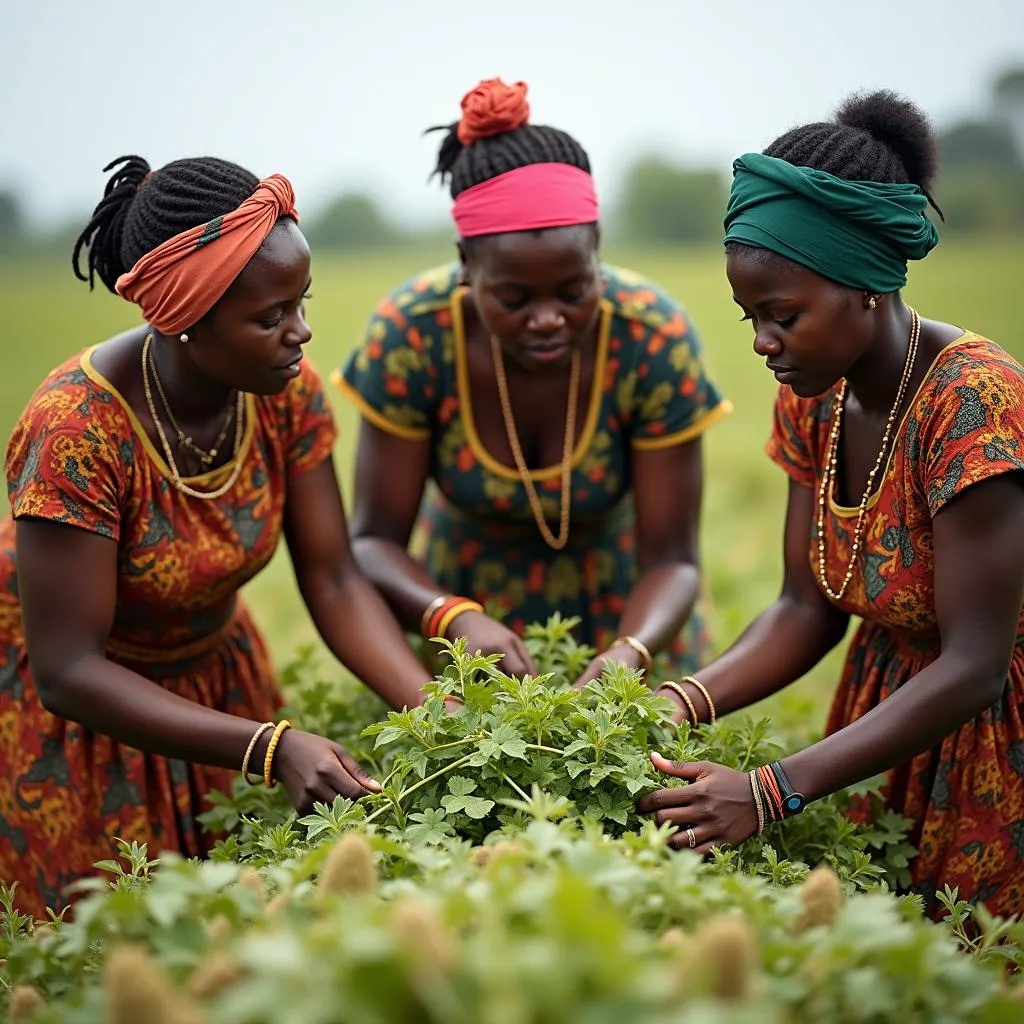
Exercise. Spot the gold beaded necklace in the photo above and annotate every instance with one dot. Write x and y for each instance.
(550, 539)
(206, 457)
(149, 367)
(832, 453)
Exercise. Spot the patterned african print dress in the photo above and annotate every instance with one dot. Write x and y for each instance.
(966, 796)
(79, 456)
(476, 533)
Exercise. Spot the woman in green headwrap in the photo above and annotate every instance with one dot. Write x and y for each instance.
(903, 439)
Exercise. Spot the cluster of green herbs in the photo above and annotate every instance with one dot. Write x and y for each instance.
(479, 771)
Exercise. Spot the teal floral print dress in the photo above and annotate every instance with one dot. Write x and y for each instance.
(475, 533)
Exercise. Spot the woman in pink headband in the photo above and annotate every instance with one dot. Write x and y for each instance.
(150, 477)
(555, 404)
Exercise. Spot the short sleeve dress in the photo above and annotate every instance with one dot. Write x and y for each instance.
(80, 457)
(966, 796)
(476, 533)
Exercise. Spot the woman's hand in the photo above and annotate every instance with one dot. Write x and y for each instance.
(716, 807)
(488, 636)
(624, 654)
(312, 768)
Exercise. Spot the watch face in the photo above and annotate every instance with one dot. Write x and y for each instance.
(794, 803)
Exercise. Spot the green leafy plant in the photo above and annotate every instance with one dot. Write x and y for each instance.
(503, 875)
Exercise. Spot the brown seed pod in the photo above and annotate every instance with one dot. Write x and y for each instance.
(137, 990)
(821, 899)
(25, 1003)
(216, 974)
(349, 869)
(420, 931)
(725, 948)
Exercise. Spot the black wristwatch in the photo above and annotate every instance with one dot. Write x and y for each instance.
(792, 801)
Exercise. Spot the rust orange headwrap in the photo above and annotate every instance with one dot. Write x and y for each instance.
(179, 281)
(492, 108)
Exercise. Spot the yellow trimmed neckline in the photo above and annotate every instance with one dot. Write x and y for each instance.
(462, 381)
(208, 477)
(846, 511)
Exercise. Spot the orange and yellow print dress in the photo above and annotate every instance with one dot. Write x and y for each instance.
(79, 456)
(965, 796)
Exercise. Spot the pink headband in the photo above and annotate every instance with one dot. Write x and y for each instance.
(527, 199)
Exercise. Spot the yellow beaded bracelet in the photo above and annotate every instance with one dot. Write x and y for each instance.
(704, 693)
(454, 612)
(248, 752)
(268, 761)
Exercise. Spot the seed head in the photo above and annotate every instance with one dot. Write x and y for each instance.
(349, 869)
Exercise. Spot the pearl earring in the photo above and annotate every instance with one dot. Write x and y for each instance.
(183, 338)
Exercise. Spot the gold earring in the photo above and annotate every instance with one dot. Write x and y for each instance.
(872, 302)
(183, 338)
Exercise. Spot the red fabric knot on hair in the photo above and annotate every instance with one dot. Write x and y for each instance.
(491, 109)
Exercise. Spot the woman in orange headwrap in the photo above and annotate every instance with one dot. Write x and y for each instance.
(150, 477)
(556, 402)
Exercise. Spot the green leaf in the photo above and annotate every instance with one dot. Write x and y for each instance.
(430, 827)
(459, 785)
(474, 806)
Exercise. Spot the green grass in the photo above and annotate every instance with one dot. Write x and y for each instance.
(48, 315)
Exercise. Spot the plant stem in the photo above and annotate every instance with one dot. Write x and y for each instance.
(412, 789)
(546, 750)
(457, 743)
(517, 788)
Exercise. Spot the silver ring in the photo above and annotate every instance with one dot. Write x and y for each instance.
(691, 837)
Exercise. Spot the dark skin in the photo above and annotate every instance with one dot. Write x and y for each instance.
(816, 332)
(539, 294)
(68, 577)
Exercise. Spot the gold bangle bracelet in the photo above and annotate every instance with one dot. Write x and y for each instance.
(640, 648)
(268, 761)
(676, 688)
(453, 613)
(704, 693)
(249, 749)
(429, 610)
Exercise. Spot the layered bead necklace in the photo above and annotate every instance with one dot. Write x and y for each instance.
(832, 457)
(149, 369)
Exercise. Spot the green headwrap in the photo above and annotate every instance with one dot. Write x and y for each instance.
(859, 233)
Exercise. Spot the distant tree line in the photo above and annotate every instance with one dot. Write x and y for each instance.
(980, 190)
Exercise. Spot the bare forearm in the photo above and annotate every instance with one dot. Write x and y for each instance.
(920, 714)
(357, 626)
(406, 585)
(785, 641)
(659, 604)
(109, 699)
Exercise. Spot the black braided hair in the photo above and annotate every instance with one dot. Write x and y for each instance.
(465, 166)
(141, 209)
(876, 136)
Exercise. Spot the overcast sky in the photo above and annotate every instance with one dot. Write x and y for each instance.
(336, 93)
